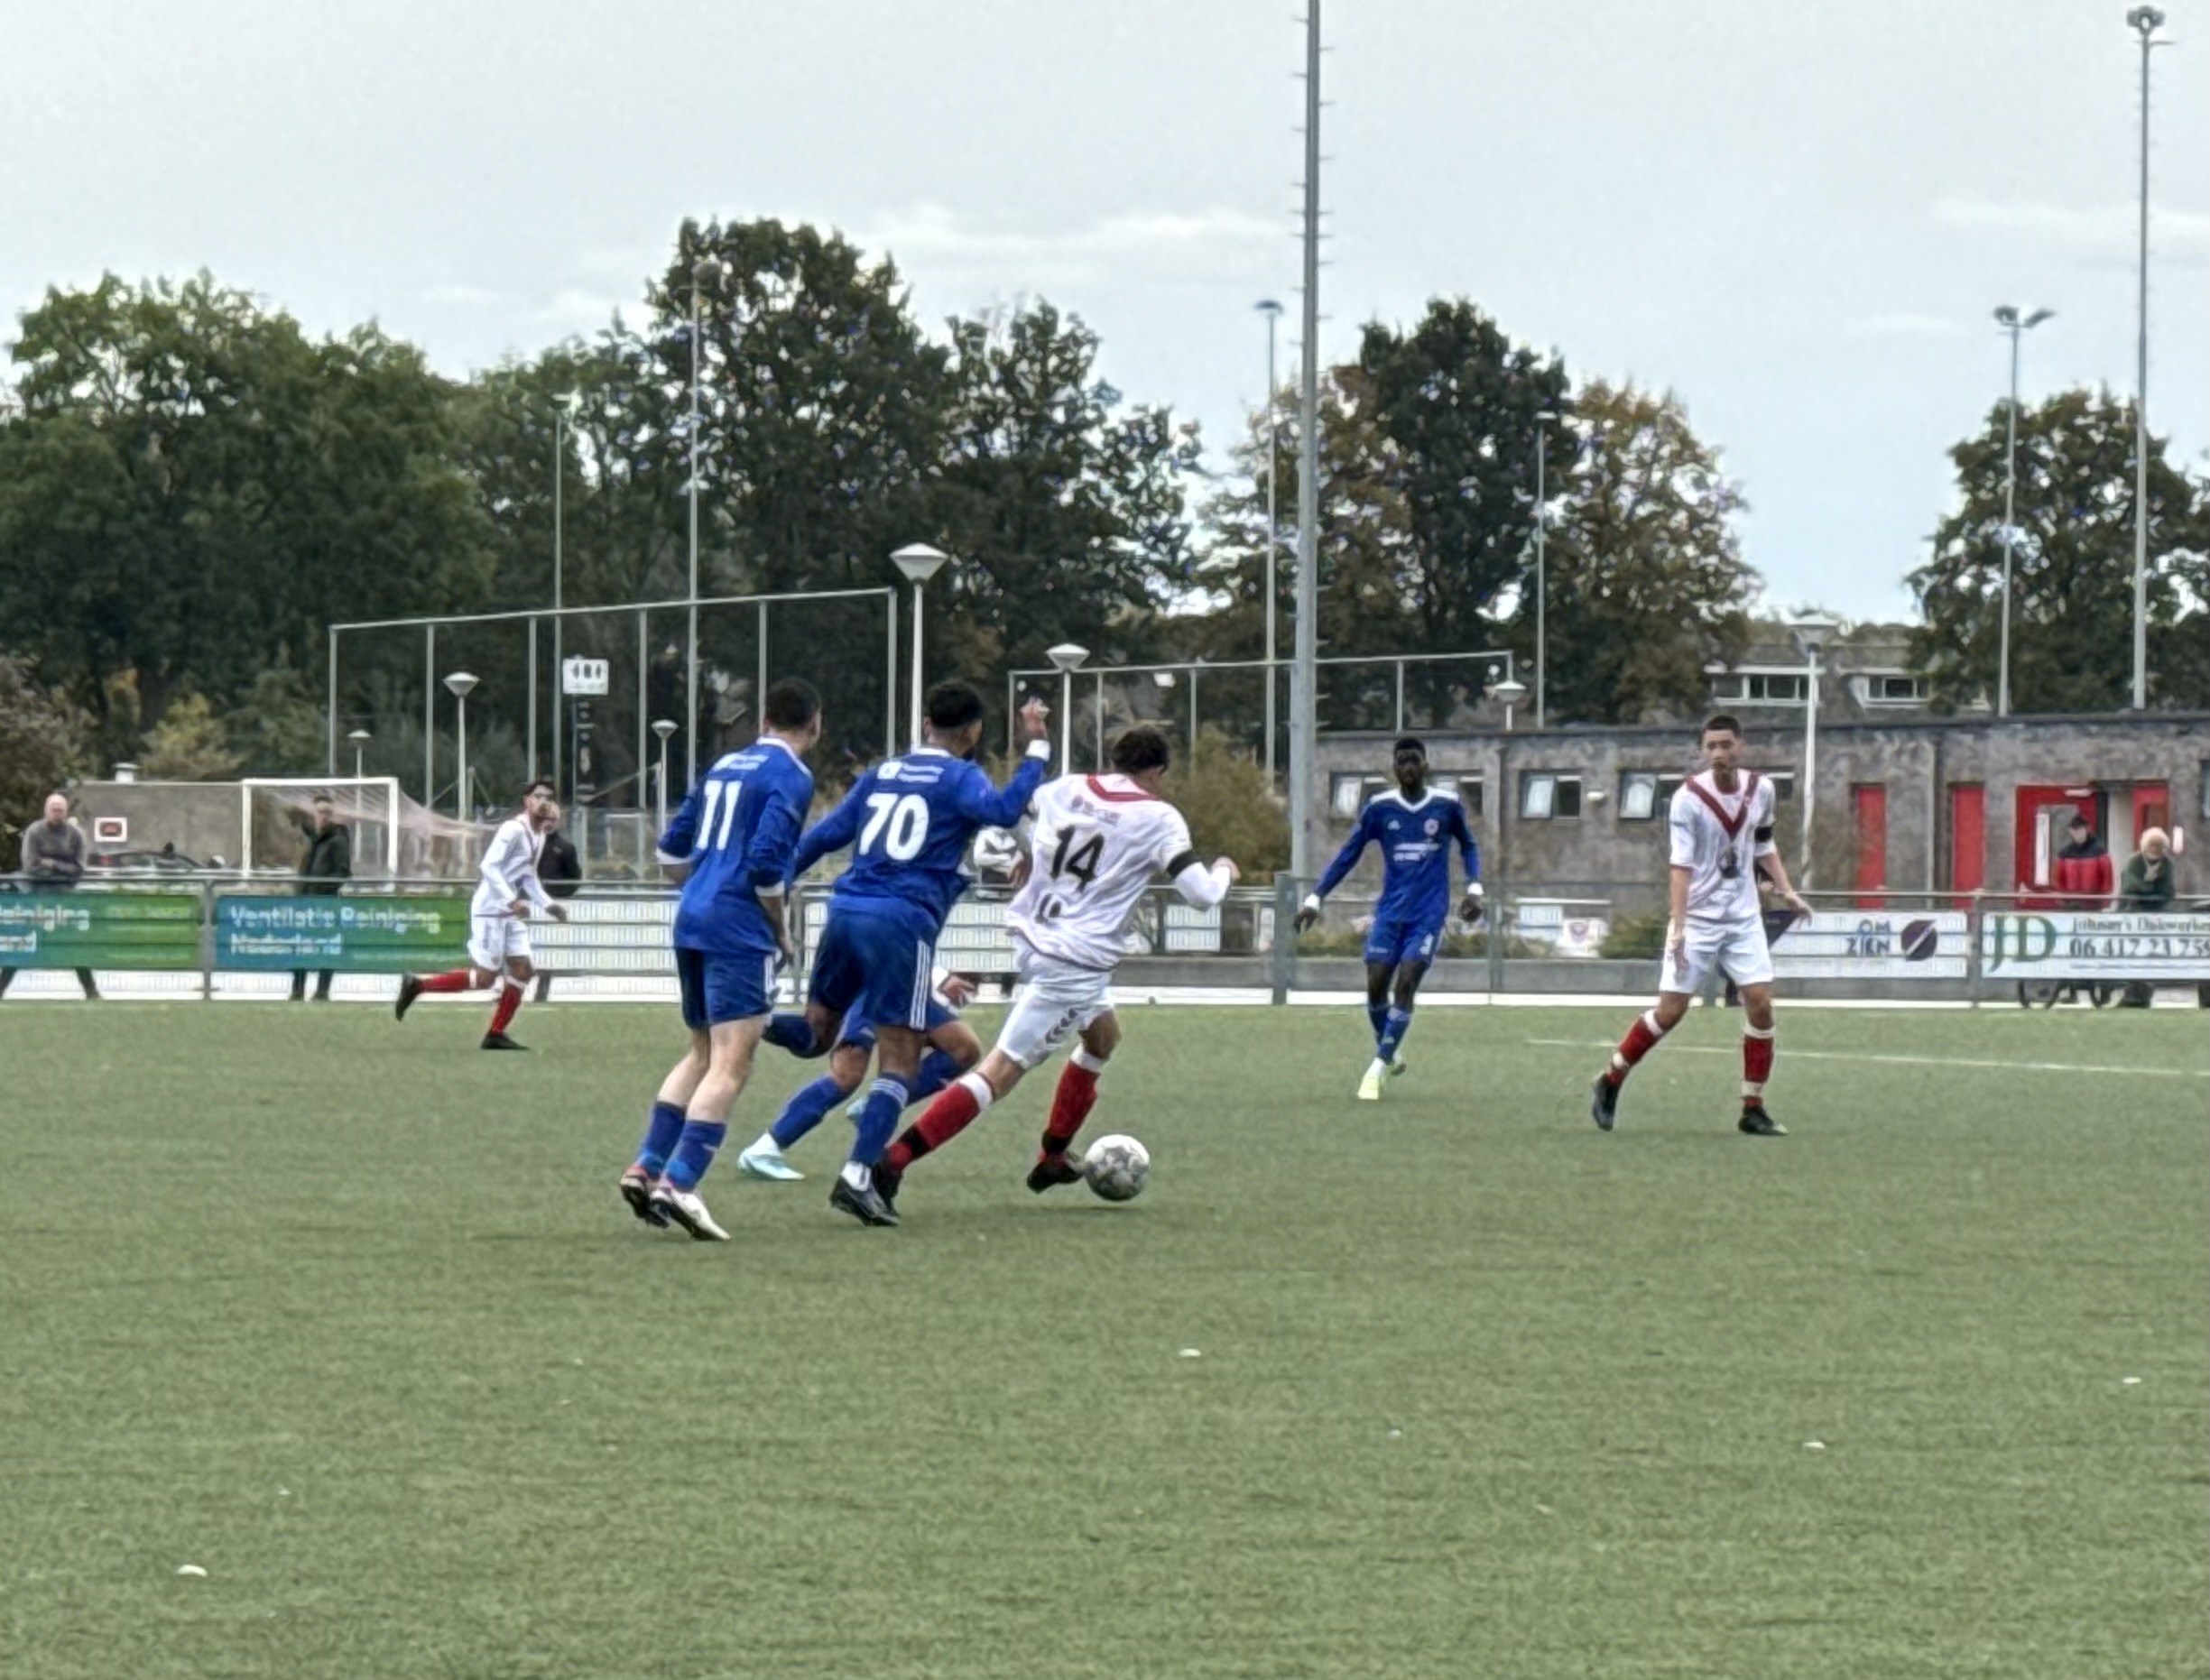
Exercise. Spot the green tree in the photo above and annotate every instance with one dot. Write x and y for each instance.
(188, 745)
(44, 735)
(1066, 509)
(190, 488)
(1231, 810)
(2072, 575)
(1646, 580)
(1457, 402)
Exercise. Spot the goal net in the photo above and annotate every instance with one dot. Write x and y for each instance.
(393, 836)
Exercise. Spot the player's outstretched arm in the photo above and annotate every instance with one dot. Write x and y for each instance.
(1338, 867)
(836, 831)
(1203, 885)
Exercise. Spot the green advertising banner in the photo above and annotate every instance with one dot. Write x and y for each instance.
(377, 936)
(99, 929)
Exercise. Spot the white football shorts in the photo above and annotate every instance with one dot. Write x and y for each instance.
(1055, 1000)
(1734, 949)
(494, 941)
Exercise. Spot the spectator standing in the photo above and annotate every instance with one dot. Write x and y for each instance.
(327, 865)
(53, 860)
(2082, 876)
(561, 870)
(2148, 884)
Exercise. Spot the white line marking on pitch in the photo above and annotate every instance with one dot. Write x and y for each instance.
(1899, 1061)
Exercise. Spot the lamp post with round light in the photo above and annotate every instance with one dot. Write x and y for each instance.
(460, 685)
(1810, 634)
(1068, 656)
(920, 563)
(2010, 321)
(663, 728)
(360, 739)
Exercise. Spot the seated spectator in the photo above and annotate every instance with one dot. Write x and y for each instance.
(53, 860)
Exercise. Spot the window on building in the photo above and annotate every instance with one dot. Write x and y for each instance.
(1544, 795)
(1645, 795)
(1894, 688)
(1467, 789)
(1783, 785)
(1761, 688)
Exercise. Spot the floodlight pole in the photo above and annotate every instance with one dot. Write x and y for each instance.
(1272, 309)
(1304, 708)
(1542, 583)
(2008, 319)
(2146, 19)
(702, 273)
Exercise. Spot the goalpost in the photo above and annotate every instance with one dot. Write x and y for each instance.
(371, 806)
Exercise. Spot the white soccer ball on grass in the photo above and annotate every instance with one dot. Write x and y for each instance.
(1117, 1168)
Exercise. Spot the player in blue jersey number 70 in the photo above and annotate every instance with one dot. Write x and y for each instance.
(908, 821)
(1415, 827)
(734, 840)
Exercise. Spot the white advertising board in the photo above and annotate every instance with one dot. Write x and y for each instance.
(2083, 945)
(1875, 945)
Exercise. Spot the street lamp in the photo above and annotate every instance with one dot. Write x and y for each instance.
(1542, 589)
(1069, 657)
(663, 728)
(460, 684)
(706, 272)
(2145, 20)
(1272, 309)
(360, 739)
(2009, 320)
(563, 411)
(1811, 633)
(1510, 691)
(920, 563)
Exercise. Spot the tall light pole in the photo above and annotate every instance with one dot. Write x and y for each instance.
(360, 739)
(1068, 656)
(707, 272)
(459, 684)
(1811, 634)
(920, 563)
(1304, 700)
(562, 410)
(2008, 319)
(1543, 417)
(663, 728)
(1271, 310)
(2145, 20)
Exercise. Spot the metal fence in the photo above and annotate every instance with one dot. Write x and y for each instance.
(230, 934)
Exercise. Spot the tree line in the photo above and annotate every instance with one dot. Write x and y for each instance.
(192, 488)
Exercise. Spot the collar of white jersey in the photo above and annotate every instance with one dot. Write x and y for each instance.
(1396, 795)
(777, 741)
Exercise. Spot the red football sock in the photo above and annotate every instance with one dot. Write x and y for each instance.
(1070, 1105)
(510, 1001)
(452, 979)
(1756, 1062)
(1641, 1040)
(953, 1111)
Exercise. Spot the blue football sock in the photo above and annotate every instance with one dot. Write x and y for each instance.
(1378, 1013)
(661, 1132)
(694, 1152)
(878, 1121)
(1399, 1023)
(788, 1030)
(805, 1109)
(939, 1069)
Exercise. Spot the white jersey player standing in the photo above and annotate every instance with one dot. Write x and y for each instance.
(507, 891)
(1721, 827)
(1097, 843)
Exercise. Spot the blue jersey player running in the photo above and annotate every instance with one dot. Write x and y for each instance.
(908, 822)
(734, 841)
(1415, 827)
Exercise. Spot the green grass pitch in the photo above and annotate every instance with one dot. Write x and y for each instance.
(348, 1315)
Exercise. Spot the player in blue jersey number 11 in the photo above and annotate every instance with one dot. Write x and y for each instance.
(1415, 827)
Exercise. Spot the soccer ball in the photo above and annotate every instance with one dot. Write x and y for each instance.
(1117, 1168)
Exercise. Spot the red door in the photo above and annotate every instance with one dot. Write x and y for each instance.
(1967, 837)
(1871, 799)
(2039, 833)
(2151, 809)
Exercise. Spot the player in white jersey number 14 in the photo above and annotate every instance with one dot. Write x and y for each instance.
(1097, 843)
(1721, 826)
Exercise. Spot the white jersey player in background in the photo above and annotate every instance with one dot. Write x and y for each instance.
(1097, 843)
(1721, 825)
(506, 891)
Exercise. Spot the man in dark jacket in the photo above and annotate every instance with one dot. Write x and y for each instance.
(328, 865)
(561, 870)
(53, 860)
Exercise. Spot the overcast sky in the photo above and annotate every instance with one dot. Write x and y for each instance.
(1797, 217)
